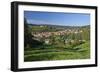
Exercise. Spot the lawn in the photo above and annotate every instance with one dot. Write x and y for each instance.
(54, 52)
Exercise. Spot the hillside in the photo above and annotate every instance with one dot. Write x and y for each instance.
(55, 42)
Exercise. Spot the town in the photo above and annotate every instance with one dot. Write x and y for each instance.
(46, 35)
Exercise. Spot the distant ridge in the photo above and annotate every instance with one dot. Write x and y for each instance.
(60, 26)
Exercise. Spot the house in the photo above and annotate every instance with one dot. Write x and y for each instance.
(47, 41)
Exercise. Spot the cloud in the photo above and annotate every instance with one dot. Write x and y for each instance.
(35, 21)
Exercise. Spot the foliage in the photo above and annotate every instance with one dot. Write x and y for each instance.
(28, 41)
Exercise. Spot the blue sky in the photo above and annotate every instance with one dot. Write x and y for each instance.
(57, 18)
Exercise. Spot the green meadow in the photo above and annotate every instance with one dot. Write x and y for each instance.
(52, 52)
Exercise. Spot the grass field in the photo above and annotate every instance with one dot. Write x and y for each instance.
(53, 52)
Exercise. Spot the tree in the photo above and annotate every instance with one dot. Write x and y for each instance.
(86, 34)
(27, 34)
(28, 38)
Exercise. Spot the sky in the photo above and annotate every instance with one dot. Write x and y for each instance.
(57, 18)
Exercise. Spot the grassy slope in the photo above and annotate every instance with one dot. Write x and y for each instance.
(78, 52)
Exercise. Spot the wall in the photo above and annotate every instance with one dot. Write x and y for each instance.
(5, 35)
